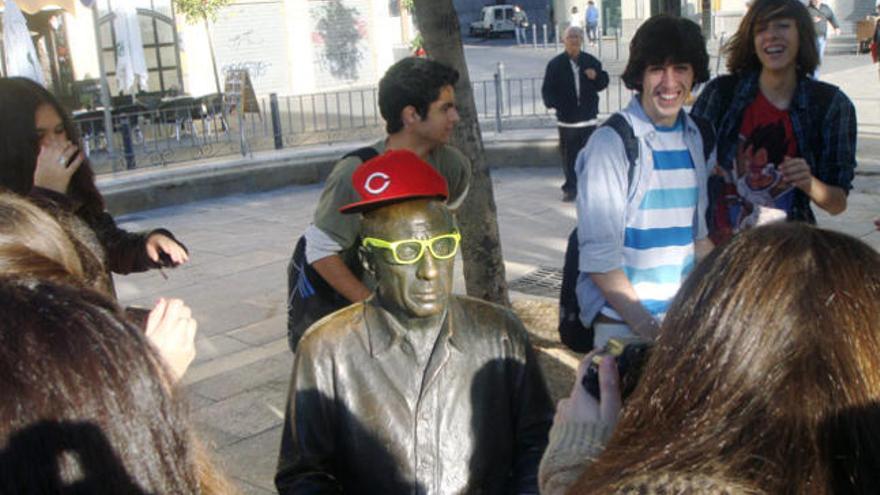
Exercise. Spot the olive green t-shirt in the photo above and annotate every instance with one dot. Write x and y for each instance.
(344, 228)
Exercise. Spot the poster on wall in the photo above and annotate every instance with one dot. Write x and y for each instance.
(340, 42)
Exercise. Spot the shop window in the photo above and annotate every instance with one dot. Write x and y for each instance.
(161, 45)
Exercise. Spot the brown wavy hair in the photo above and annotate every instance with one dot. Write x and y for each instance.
(765, 371)
(20, 146)
(88, 404)
(740, 50)
(32, 243)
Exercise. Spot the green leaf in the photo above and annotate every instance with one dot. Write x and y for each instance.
(197, 10)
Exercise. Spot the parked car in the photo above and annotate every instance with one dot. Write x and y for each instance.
(494, 20)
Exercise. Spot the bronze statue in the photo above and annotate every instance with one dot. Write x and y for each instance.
(414, 390)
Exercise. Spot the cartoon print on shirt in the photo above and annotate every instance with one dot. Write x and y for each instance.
(764, 196)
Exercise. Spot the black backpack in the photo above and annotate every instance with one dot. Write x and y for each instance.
(572, 332)
(309, 296)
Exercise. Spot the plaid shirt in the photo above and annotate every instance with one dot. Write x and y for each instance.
(827, 141)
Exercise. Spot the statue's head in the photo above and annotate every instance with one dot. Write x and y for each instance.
(409, 238)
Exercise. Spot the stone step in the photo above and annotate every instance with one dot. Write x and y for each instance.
(844, 44)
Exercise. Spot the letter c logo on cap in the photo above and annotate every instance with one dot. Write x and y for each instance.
(383, 182)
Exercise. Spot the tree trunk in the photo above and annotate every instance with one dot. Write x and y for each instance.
(213, 57)
(481, 246)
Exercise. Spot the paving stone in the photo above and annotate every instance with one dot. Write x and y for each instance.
(262, 331)
(242, 416)
(248, 377)
(196, 401)
(254, 459)
(209, 348)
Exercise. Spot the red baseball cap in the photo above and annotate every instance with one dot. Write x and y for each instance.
(393, 176)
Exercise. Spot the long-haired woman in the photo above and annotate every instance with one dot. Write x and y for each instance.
(40, 157)
(88, 405)
(769, 91)
(764, 379)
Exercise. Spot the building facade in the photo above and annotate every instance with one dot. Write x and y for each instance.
(287, 46)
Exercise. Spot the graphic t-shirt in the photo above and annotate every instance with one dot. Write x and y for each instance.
(766, 137)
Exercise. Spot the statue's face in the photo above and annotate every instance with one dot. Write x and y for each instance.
(412, 290)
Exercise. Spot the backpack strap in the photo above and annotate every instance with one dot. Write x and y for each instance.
(630, 143)
(364, 154)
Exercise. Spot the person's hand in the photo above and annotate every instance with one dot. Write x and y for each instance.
(796, 172)
(172, 330)
(56, 164)
(580, 406)
(591, 73)
(160, 243)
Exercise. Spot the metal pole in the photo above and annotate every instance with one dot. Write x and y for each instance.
(105, 88)
(556, 38)
(276, 120)
(498, 103)
(545, 36)
(720, 46)
(503, 93)
(534, 36)
(242, 138)
(616, 44)
(599, 40)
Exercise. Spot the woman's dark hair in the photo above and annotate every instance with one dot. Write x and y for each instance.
(740, 50)
(412, 81)
(88, 405)
(765, 371)
(20, 145)
(664, 39)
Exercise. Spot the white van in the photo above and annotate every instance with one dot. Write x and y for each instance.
(493, 21)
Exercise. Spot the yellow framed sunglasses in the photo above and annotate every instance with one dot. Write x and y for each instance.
(409, 251)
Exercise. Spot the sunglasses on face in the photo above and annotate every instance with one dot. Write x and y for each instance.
(409, 251)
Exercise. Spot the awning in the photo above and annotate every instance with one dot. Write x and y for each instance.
(21, 57)
(34, 6)
(131, 68)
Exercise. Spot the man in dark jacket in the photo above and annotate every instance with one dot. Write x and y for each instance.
(572, 83)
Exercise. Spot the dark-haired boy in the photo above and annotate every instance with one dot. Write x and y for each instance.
(641, 225)
(417, 101)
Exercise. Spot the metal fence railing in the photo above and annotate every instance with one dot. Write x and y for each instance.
(159, 132)
(188, 129)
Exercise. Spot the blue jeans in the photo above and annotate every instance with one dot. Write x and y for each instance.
(592, 31)
(520, 34)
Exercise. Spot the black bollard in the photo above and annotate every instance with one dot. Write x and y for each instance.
(276, 121)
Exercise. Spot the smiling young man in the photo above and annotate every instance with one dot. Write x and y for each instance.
(770, 59)
(417, 101)
(641, 223)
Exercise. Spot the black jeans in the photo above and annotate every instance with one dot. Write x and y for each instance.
(571, 141)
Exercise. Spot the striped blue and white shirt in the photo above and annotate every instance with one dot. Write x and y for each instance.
(658, 249)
